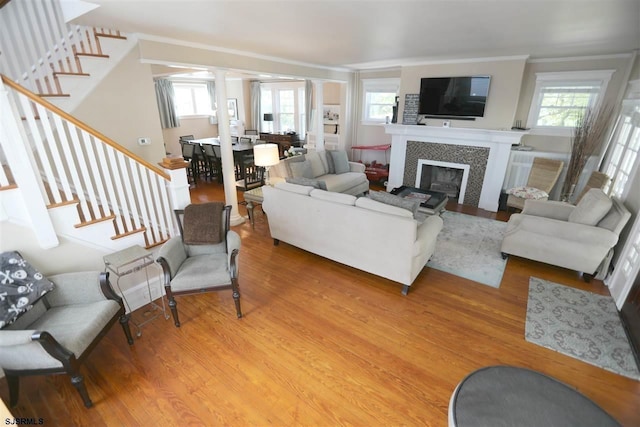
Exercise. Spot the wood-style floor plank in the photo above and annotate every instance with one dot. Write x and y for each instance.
(320, 343)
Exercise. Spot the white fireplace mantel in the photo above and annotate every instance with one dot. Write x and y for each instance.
(499, 143)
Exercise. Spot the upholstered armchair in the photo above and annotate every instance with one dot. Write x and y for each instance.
(59, 329)
(203, 257)
(580, 237)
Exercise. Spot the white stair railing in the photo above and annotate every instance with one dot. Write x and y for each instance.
(77, 164)
(36, 45)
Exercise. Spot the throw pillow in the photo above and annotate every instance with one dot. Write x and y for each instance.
(321, 185)
(528, 193)
(301, 169)
(340, 161)
(21, 286)
(593, 206)
(317, 167)
(411, 205)
(291, 160)
(325, 157)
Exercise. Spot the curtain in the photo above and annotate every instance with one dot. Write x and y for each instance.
(255, 105)
(308, 103)
(211, 88)
(166, 105)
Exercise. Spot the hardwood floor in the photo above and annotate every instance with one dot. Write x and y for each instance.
(320, 344)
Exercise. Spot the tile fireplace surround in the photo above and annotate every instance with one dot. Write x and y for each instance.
(485, 151)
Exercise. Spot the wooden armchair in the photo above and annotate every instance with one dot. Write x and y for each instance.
(57, 334)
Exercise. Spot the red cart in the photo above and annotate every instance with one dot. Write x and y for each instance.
(376, 172)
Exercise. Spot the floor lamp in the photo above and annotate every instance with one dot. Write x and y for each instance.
(266, 155)
(268, 117)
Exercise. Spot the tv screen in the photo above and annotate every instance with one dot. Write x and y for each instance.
(454, 96)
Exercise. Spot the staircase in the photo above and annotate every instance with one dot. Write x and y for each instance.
(59, 176)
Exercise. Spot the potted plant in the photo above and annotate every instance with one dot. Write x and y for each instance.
(586, 141)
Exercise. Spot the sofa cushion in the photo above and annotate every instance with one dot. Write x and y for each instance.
(321, 185)
(528, 193)
(301, 169)
(593, 206)
(294, 188)
(327, 161)
(340, 161)
(367, 203)
(411, 205)
(289, 161)
(344, 181)
(317, 166)
(344, 199)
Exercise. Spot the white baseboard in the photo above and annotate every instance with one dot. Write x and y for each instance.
(138, 296)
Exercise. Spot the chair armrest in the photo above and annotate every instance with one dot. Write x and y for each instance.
(548, 209)
(79, 288)
(233, 248)
(26, 349)
(171, 256)
(427, 233)
(356, 167)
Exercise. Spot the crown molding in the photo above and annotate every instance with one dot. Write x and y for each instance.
(580, 58)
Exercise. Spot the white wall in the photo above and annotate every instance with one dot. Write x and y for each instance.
(123, 107)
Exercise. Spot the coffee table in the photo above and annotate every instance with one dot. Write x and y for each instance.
(433, 202)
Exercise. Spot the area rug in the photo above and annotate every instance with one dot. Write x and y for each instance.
(579, 324)
(469, 246)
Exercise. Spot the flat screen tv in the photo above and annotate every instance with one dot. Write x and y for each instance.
(455, 97)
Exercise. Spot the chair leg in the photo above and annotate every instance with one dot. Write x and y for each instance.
(14, 388)
(78, 382)
(236, 297)
(124, 322)
(173, 305)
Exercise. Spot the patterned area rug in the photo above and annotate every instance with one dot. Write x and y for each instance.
(469, 246)
(579, 324)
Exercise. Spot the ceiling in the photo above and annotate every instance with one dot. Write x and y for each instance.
(362, 34)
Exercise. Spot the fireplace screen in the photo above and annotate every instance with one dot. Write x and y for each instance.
(445, 179)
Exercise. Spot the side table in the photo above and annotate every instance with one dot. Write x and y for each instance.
(251, 197)
(131, 260)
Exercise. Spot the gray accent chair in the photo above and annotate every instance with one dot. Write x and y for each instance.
(59, 332)
(193, 269)
(580, 237)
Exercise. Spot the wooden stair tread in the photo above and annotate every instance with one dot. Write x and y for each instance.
(153, 245)
(8, 187)
(129, 233)
(65, 203)
(68, 73)
(111, 36)
(57, 95)
(92, 55)
(95, 221)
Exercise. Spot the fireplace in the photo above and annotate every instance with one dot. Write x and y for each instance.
(446, 177)
(485, 152)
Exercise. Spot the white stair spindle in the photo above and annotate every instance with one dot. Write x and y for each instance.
(107, 172)
(51, 144)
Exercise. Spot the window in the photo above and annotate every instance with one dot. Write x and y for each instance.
(286, 102)
(379, 99)
(560, 99)
(622, 162)
(192, 99)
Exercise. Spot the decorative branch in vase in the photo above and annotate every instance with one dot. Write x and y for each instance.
(587, 140)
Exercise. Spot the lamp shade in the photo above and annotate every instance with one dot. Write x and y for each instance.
(268, 117)
(266, 154)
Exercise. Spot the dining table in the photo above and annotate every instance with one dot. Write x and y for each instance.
(241, 150)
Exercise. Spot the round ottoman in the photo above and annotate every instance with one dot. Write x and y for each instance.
(516, 397)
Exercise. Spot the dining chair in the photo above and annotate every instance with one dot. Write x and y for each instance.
(252, 177)
(188, 153)
(543, 176)
(214, 163)
(244, 140)
(234, 139)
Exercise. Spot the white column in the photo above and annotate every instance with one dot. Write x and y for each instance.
(226, 150)
(14, 143)
(319, 107)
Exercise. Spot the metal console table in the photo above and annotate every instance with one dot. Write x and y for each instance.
(131, 260)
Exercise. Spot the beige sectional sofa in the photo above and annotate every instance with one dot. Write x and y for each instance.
(344, 228)
(329, 167)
